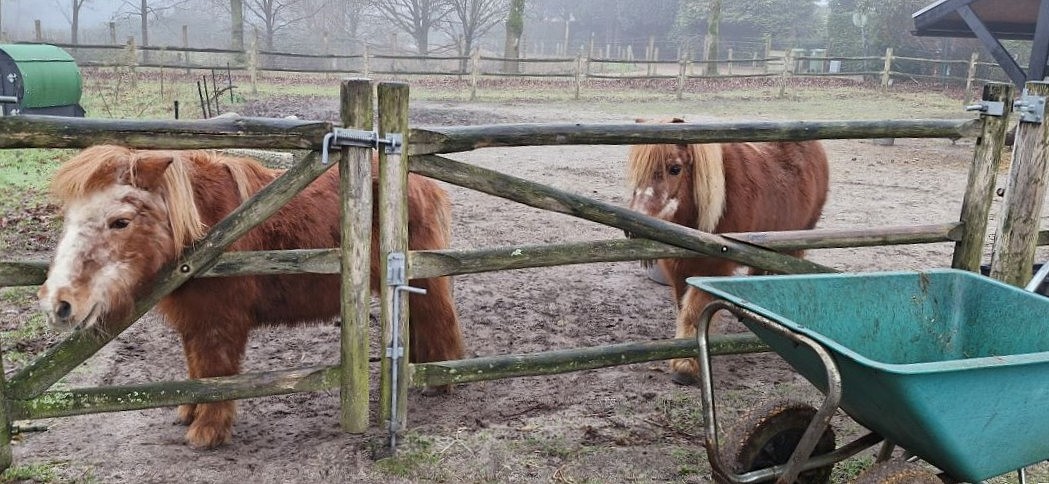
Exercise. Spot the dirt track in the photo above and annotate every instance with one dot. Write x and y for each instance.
(616, 424)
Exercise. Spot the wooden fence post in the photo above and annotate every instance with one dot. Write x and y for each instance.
(39, 33)
(355, 257)
(578, 74)
(5, 424)
(682, 70)
(730, 61)
(132, 61)
(971, 75)
(650, 53)
(185, 45)
(393, 238)
(367, 61)
(788, 62)
(886, 69)
(979, 191)
(112, 33)
(475, 73)
(253, 62)
(1022, 207)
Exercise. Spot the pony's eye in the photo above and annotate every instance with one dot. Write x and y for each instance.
(675, 170)
(119, 223)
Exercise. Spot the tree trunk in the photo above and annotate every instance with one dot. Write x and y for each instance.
(75, 23)
(514, 29)
(236, 9)
(713, 22)
(144, 9)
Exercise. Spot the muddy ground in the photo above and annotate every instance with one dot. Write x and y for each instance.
(618, 424)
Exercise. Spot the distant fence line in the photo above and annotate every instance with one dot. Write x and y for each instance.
(780, 65)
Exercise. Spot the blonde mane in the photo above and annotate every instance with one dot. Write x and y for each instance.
(708, 176)
(99, 167)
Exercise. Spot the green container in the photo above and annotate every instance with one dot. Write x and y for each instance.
(950, 365)
(41, 78)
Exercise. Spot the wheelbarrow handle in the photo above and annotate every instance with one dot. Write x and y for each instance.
(1038, 278)
(795, 465)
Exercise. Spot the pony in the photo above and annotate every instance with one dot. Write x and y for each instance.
(723, 187)
(130, 213)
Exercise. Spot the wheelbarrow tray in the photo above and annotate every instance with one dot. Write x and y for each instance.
(950, 365)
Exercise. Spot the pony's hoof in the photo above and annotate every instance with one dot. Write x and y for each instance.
(208, 437)
(185, 414)
(682, 378)
(437, 390)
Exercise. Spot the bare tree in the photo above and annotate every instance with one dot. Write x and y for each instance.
(471, 19)
(514, 30)
(236, 30)
(143, 10)
(73, 17)
(713, 32)
(416, 17)
(274, 15)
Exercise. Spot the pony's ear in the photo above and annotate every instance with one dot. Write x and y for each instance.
(146, 172)
(677, 120)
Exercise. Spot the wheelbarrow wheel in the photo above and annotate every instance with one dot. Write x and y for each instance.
(895, 471)
(768, 435)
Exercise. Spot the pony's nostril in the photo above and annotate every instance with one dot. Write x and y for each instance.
(63, 310)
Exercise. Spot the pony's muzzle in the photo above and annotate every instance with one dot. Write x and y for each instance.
(57, 309)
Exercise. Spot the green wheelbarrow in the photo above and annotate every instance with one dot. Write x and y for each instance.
(949, 365)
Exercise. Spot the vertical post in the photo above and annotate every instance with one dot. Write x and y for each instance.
(682, 70)
(112, 33)
(132, 61)
(578, 74)
(730, 61)
(788, 61)
(393, 237)
(971, 75)
(39, 32)
(650, 53)
(185, 45)
(367, 61)
(1024, 193)
(976, 205)
(253, 62)
(475, 73)
(886, 69)
(327, 51)
(355, 187)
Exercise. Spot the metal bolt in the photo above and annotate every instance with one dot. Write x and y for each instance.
(184, 268)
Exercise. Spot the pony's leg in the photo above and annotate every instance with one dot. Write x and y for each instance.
(685, 371)
(210, 354)
(433, 324)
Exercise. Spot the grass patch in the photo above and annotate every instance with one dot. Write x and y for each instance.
(36, 472)
(416, 458)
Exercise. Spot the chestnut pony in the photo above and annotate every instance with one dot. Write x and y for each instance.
(726, 187)
(129, 213)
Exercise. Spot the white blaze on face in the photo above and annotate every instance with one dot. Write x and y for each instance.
(669, 209)
(82, 237)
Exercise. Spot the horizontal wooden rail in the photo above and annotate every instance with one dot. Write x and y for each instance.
(64, 403)
(33, 131)
(465, 138)
(466, 261)
(564, 361)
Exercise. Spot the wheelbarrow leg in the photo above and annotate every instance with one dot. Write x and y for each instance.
(885, 452)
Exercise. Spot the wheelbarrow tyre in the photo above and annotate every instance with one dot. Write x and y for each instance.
(896, 471)
(767, 436)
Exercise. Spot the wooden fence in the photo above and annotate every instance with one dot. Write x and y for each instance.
(783, 67)
(26, 394)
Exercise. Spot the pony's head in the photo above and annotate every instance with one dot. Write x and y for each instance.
(678, 183)
(126, 214)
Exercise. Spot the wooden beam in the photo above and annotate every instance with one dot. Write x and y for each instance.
(1005, 60)
(547, 198)
(33, 131)
(465, 138)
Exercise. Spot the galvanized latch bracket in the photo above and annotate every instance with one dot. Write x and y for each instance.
(342, 137)
(396, 277)
(1030, 107)
(990, 108)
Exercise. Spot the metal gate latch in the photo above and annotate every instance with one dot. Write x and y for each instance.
(990, 108)
(1031, 108)
(397, 278)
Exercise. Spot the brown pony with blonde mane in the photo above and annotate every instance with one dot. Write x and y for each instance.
(726, 187)
(130, 213)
